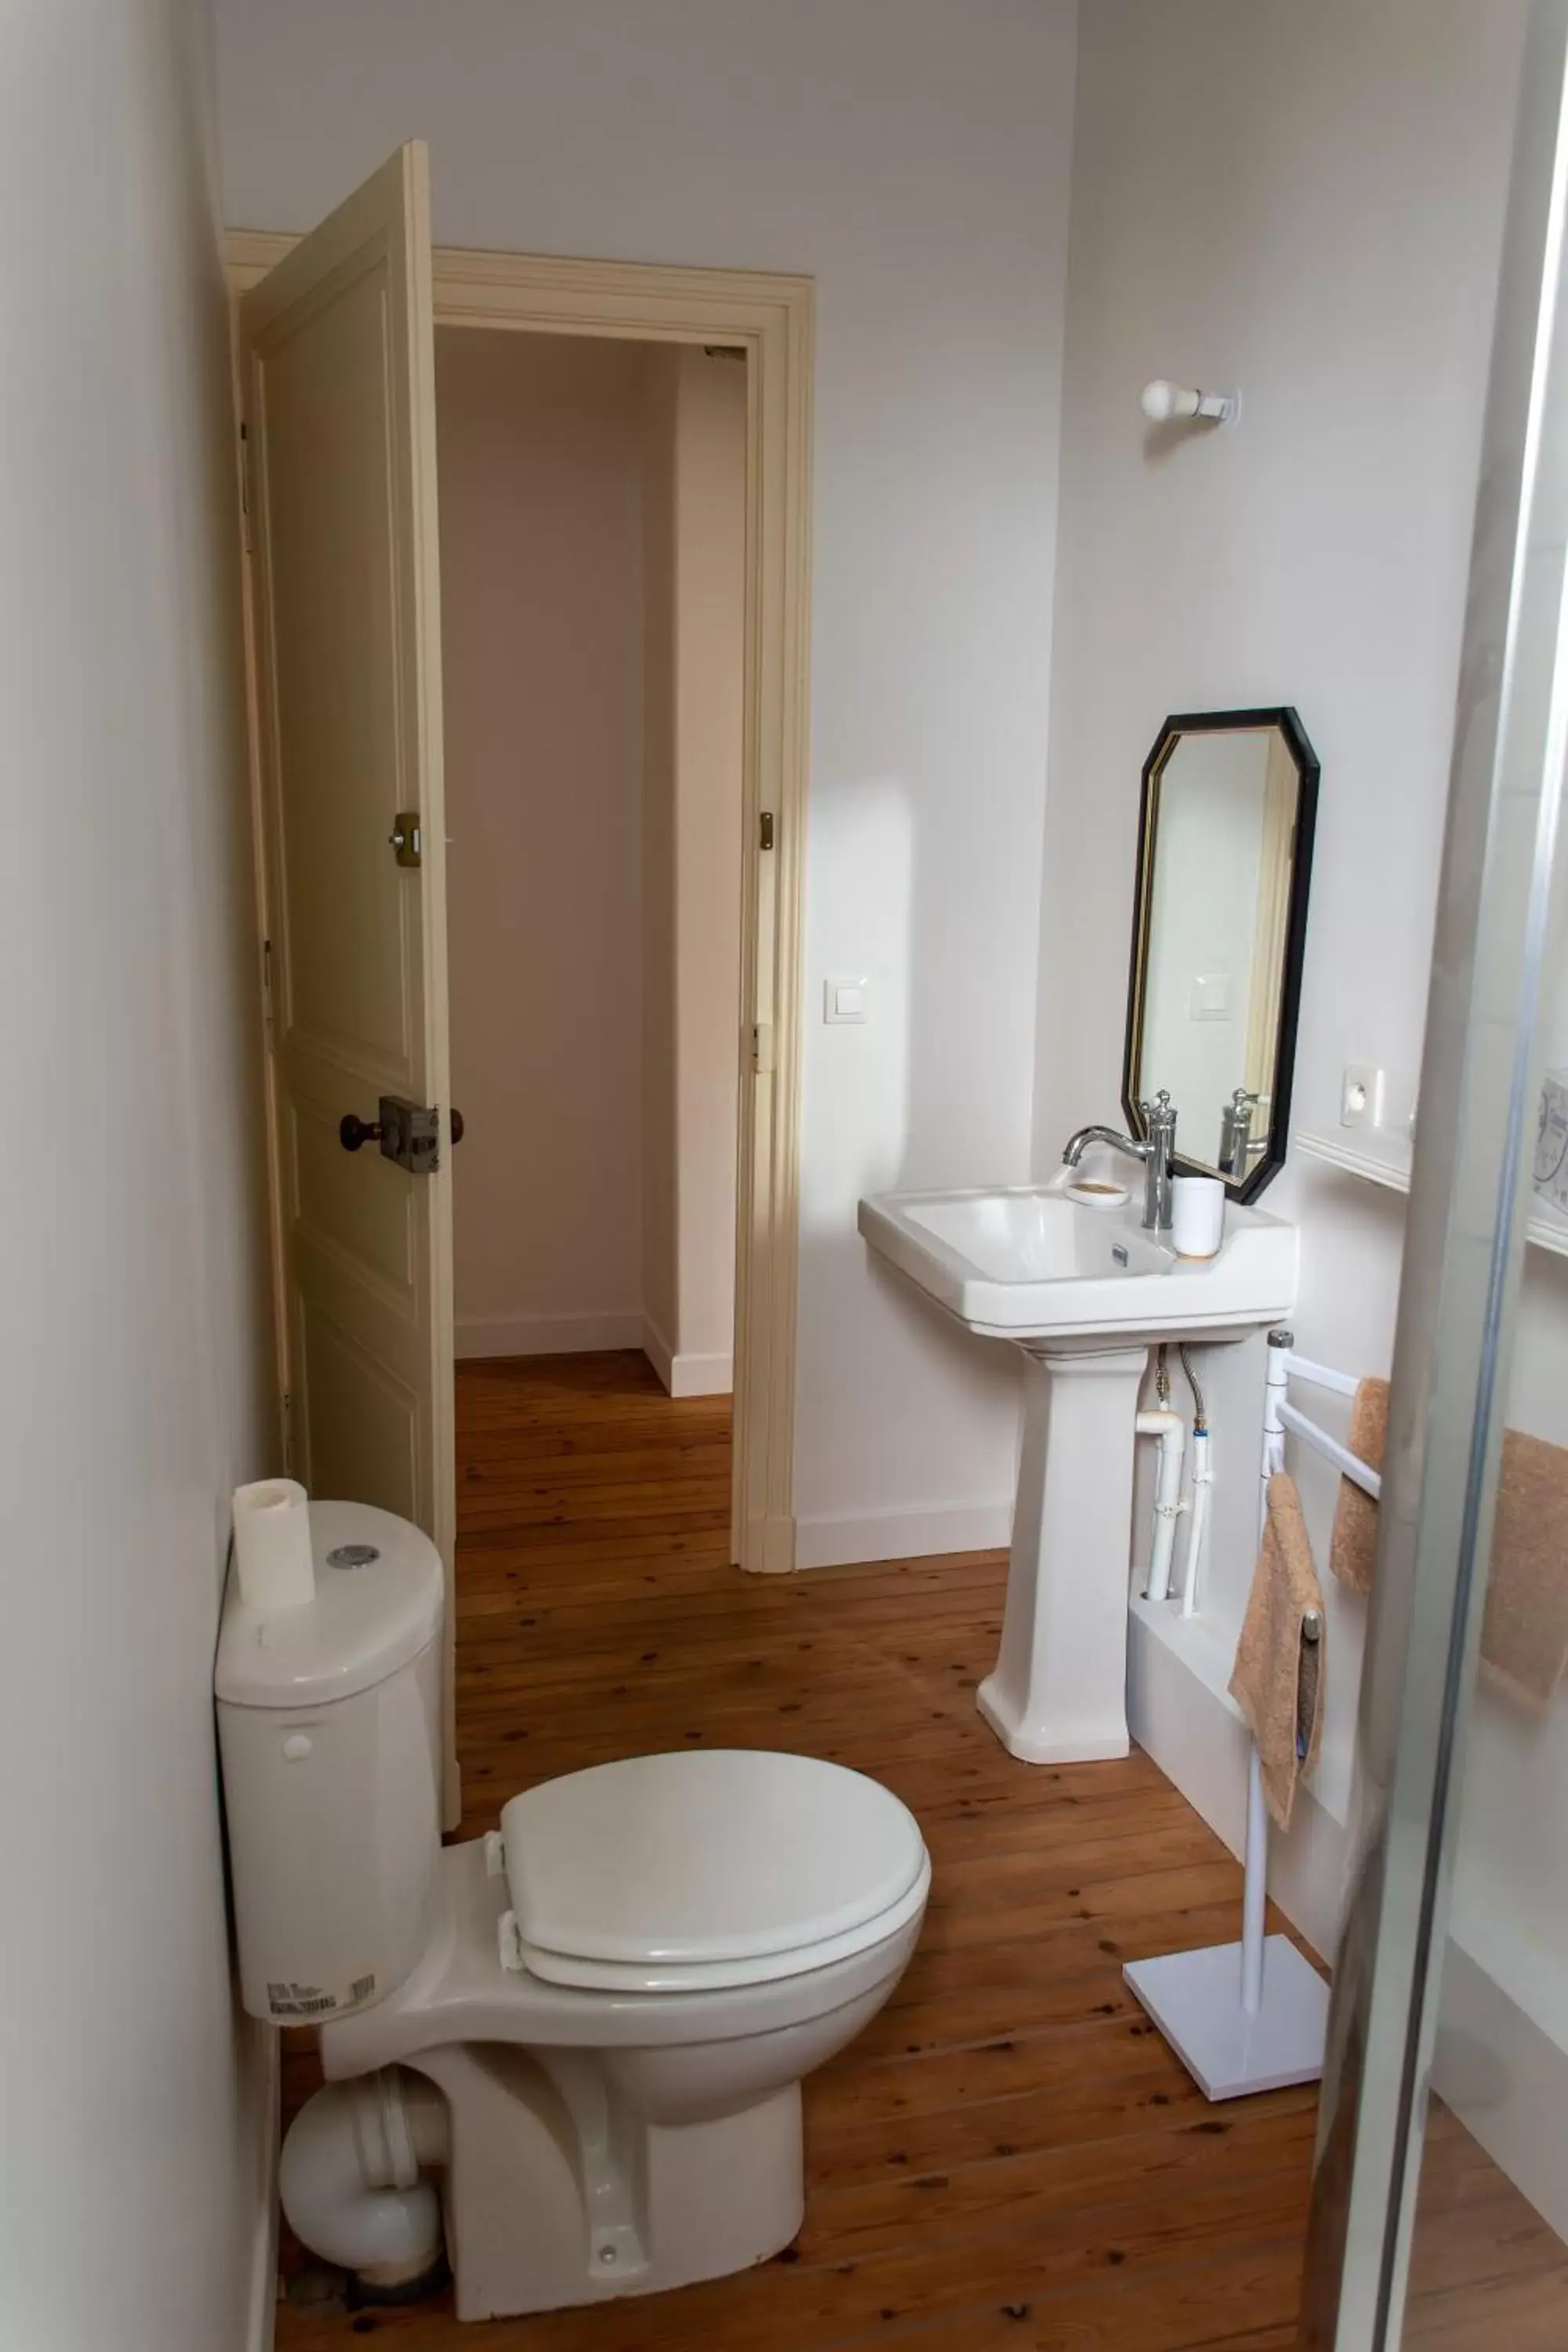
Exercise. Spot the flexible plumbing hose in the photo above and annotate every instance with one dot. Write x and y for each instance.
(1200, 1417)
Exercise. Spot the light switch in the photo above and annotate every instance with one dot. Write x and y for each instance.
(1211, 997)
(844, 999)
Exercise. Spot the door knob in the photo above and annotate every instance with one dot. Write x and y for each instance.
(406, 1132)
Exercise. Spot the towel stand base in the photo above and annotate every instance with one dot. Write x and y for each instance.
(1195, 1999)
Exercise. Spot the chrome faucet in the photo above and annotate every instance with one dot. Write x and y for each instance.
(1236, 1144)
(1156, 1154)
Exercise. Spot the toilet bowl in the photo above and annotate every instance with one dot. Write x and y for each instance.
(576, 2044)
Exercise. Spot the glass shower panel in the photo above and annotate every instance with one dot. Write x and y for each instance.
(1440, 2197)
(1489, 2253)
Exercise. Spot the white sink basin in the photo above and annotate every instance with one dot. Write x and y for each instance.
(1028, 1264)
(1085, 1293)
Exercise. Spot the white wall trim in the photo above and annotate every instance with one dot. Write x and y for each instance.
(929, 1528)
(686, 1375)
(261, 2308)
(658, 1351)
(550, 1335)
(699, 1376)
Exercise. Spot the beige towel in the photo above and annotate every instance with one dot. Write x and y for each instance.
(1278, 1682)
(1352, 1547)
(1524, 1634)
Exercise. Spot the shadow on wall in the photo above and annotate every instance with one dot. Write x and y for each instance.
(859, 1138)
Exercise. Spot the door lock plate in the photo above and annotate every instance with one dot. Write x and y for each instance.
(409, 1134)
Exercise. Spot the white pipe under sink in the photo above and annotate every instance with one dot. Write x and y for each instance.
(349, 2175)
(1171, 1429)
(1197, 1528)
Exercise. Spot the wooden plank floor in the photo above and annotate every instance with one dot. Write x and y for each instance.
(1010, 2155)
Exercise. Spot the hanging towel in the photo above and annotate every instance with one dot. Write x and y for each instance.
(1278, 1682)
(1524, 1633)
(1352, 1547)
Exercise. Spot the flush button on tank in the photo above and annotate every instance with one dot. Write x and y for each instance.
(297, 1747)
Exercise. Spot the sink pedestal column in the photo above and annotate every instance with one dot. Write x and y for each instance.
(1059, 1691)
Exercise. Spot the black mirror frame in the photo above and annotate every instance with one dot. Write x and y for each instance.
(1214, 722)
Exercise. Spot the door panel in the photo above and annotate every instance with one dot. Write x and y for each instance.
(326, 442)
(366, 1425)
(358, 1204)
(337, 371)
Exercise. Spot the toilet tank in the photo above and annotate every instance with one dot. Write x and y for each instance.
(330, 1732)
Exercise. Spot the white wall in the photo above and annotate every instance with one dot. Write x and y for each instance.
(912, 155)
(540, 450)
(1341, 172)
(1334, 254)
(694, 544)
(138, 1372)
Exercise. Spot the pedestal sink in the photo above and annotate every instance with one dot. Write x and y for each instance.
(1085, 1293)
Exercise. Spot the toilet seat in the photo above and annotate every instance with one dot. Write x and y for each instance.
(703, 1869)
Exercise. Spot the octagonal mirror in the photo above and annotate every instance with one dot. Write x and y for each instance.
(1225, 858)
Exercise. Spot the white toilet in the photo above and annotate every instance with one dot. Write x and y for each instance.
(579, 2042)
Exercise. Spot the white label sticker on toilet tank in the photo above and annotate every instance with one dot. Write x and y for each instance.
(310, 2001)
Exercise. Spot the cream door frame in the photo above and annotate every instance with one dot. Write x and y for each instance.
(772, 317)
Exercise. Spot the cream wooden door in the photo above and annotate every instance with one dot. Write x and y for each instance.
(337, 379)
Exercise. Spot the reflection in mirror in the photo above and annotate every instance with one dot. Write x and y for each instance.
(1225, 854)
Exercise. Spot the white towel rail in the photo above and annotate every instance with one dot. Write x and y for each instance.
(1253, 2016)
(1280, 1415)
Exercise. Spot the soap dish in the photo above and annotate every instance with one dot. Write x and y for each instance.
(1096, 1192)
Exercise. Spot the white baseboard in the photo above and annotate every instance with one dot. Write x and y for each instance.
(697, 1376)
(547, 1334)
(267, 2065)
(915, 1534)
(687, 1375)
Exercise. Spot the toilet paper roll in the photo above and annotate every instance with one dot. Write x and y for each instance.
(272, 1545)
(1197, 1215)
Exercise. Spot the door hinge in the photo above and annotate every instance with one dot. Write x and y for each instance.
(762, 1048)
(244, 485)
(765, 828)
(267, 982)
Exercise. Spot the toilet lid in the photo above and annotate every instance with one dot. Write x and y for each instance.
(718, 1865)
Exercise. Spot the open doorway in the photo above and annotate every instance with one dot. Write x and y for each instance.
(339, 480)
(592, 593)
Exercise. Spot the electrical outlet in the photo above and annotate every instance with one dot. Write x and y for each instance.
(1360, 1095)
